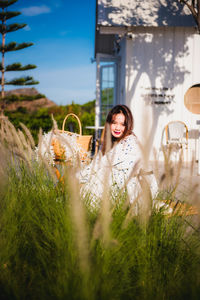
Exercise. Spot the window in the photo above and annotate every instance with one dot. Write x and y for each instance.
(107, 89)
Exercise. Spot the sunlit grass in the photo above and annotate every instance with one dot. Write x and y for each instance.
(53, 245)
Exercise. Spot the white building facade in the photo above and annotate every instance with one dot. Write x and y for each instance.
(147, 57)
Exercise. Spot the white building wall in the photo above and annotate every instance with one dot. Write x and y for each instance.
(160, 65)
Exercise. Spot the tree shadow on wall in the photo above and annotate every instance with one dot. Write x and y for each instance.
(144, 13)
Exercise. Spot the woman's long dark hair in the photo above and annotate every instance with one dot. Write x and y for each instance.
(128, 123)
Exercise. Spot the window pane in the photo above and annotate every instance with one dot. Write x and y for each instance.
(107, 89)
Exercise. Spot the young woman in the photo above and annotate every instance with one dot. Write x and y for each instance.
(119, 124)
(118, 162)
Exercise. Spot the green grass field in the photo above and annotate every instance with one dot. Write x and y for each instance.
(54, 246)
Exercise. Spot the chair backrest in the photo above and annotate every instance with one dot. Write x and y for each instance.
(176, 132)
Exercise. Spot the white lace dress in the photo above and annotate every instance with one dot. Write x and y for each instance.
(116, 170)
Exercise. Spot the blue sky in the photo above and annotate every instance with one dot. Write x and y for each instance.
(63, 33)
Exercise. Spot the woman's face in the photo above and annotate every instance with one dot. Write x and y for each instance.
(117, 126)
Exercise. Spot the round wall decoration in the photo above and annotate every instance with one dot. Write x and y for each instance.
(192, 99)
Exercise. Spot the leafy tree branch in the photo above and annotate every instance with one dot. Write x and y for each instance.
(194, 7)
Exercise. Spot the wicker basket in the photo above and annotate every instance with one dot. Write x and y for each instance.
(84, 141)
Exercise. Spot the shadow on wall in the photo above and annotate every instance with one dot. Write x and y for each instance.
(156, 54)
(144, 13)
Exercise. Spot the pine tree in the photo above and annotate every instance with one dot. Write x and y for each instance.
(12, 46)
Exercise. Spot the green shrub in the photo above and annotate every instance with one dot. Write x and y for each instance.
(18, 98)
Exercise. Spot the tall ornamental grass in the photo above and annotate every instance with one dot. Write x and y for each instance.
(54, 245)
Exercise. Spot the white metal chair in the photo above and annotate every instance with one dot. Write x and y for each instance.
(176, 133)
